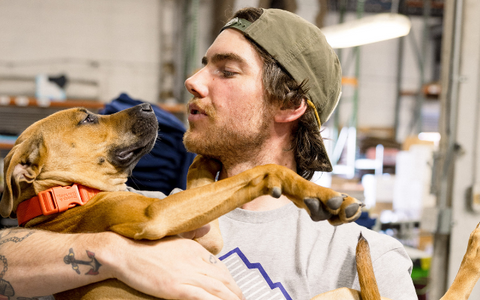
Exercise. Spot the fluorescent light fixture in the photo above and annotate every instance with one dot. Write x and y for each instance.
(367, 30)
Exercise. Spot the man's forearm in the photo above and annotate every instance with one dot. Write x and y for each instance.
(36, 263)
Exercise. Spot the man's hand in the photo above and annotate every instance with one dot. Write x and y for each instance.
(173, 268)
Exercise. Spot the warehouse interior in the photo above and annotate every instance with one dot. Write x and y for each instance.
(404, 139)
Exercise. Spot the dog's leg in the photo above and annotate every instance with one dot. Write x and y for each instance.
(141, 217)
(213, 240)
(366, 276)
(469, 271)
(202, 172)
(193, 208)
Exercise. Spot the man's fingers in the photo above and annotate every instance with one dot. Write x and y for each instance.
(218, 273)
(213, 291)
(213, 288)
(212, 281)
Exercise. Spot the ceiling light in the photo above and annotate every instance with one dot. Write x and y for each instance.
(367, 30)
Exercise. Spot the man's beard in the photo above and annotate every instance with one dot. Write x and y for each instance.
(228, 143)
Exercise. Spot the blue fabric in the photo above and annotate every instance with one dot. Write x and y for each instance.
(365, 220)
(166, 166)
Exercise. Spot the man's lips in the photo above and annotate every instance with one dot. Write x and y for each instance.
(195, 112)
(193, 109)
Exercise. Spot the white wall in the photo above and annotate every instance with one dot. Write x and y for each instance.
(112, 42)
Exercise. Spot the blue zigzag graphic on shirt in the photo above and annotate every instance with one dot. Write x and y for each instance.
(249, 278)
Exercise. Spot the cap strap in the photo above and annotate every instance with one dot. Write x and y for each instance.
(310, 103)
(237, 23)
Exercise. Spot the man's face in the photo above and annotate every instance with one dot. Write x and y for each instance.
(227, 114)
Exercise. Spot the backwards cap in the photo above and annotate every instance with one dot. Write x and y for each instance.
(302, 50)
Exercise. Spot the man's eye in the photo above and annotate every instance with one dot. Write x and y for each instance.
(228, 73)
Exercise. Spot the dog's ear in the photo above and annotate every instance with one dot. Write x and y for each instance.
(21, 166)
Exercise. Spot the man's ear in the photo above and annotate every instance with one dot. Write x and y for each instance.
(21, 167)
(290, 114)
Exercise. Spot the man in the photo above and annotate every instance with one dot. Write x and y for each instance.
(247, 110)
(255, 101)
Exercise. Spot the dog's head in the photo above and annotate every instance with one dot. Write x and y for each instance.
(77, 146)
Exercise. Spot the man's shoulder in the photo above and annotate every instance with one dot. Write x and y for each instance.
(347, 235)
(379, 243)
(374, 238)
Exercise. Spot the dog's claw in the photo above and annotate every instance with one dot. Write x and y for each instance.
(352, 209)
(326, 204)
(335, 202)
(276, 192)
(317, 211)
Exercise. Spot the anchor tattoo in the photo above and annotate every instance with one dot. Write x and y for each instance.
(70, 259)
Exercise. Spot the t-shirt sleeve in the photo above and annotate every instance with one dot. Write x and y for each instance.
(393, 274)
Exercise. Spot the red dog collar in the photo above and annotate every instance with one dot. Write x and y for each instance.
(54, 200)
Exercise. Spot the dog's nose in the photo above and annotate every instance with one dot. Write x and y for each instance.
(146, 107)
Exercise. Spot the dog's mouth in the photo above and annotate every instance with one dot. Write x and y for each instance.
(127, 157)
(129, 154)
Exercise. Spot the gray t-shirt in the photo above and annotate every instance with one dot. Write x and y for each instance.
(282, 254)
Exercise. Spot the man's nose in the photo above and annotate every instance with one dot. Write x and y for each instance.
(195, 84)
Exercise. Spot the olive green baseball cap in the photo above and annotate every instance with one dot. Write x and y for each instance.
(301, 49)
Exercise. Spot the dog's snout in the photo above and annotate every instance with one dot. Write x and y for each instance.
(146, 107)
(140, 121)
(145, 110)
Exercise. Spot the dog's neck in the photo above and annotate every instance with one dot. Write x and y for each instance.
(54, 200)
(30, 190)
(104, 184)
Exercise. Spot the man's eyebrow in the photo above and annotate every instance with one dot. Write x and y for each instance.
(222, 57)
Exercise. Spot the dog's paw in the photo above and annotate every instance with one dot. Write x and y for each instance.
(337, 210)
(276, 192)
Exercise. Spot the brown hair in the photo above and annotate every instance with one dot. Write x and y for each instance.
(281, 89)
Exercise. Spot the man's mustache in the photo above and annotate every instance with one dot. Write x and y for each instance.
(201, 106)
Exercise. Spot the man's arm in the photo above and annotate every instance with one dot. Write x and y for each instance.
(37, 263)
(32, 262)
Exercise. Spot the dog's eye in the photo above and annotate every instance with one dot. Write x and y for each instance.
(89, 119)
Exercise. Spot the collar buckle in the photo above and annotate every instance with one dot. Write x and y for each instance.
(59, 199)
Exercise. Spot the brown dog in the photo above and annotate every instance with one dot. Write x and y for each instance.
(98, 153)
